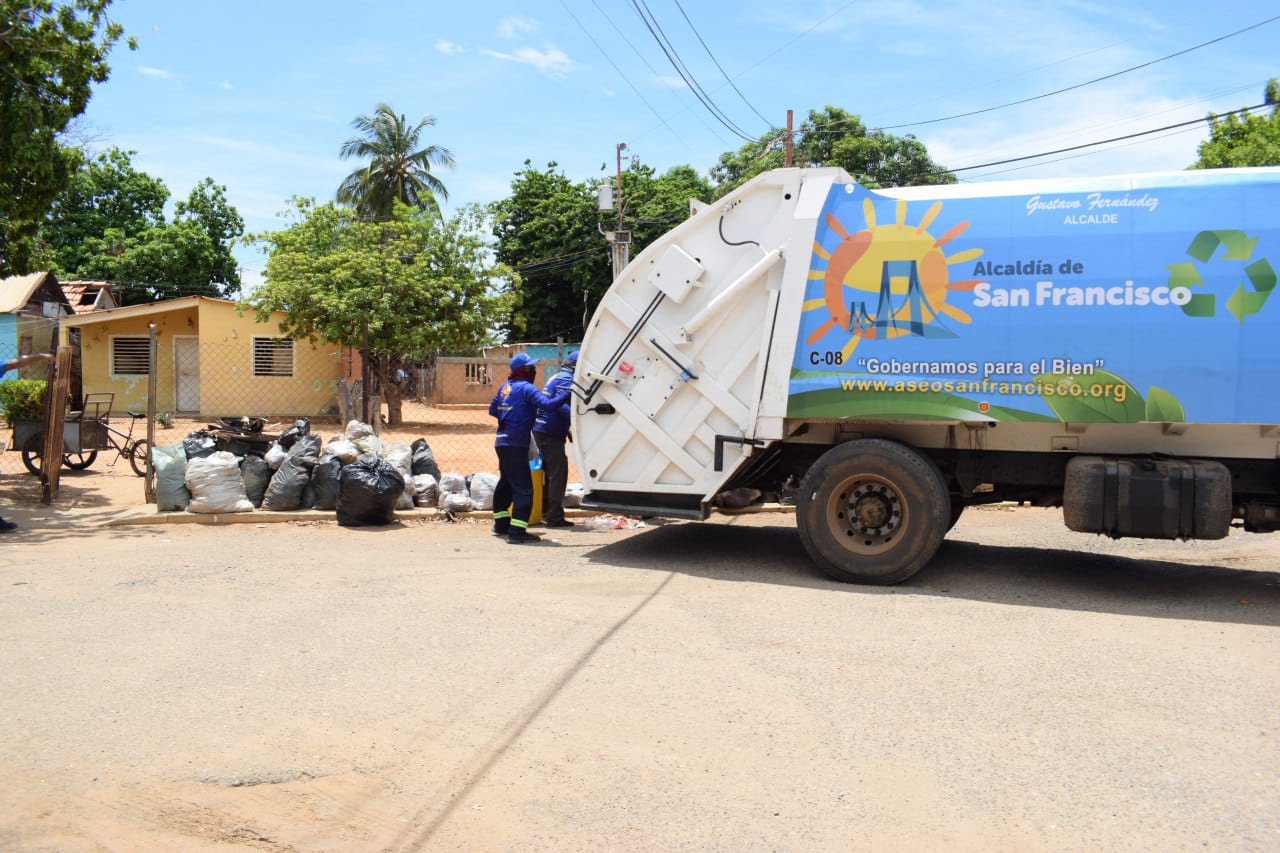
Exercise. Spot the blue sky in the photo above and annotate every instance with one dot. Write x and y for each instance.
(259, 96)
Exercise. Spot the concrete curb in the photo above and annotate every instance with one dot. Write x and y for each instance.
(150, 515)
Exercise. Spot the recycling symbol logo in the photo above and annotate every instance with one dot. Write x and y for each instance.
(1236, 247)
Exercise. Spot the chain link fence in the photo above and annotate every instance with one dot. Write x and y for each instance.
(443, 399)
(21, 336)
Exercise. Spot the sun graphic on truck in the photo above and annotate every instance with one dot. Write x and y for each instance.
(886, 281)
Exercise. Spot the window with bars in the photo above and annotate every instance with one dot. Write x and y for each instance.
(477, 373)
(272, 357)
(130, 355)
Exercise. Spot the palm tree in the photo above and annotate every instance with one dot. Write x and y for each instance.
(397, 169)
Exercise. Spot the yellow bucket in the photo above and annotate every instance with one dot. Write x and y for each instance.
(535, 514)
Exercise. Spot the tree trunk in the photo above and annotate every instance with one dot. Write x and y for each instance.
(394, 411)
(348, 409)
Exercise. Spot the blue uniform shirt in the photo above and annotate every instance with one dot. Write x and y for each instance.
(554, 420)
(516, 406)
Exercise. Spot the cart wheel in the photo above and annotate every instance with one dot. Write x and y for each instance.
(138, 458)
(79, 460)
(32, 454)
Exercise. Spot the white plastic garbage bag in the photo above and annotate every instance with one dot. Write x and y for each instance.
(275, 455)
(483, 485)
(343, 449)
(452, 481)
(216, 485)
(426, 491)
(456, 502)
(357, 429)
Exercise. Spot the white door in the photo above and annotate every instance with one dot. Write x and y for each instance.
(186, 373)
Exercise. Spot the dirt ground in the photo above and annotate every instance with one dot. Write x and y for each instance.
(461, 437)
(679, 686)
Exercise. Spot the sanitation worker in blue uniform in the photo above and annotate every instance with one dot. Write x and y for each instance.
(551, 431)
(516, 407)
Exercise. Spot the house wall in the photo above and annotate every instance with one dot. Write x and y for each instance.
(227, 383)
(456, 379)
(131, 391)
(8, 337)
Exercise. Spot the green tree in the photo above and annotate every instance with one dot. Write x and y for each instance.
(164, 262)
(106, 193)
(398, 169)
(51, 54)
(208, 208)
(419, 283)
(1244, 139)
(547, 227)
(109, 224)
(834, 137)
(654, 204)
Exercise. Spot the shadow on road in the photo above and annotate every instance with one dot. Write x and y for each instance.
(1030, 577)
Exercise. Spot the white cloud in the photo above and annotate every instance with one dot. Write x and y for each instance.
(225, 85)
(1101, 113)
(671, 82)
(448, 48)
(552, 61)
(513, 27)
(159, 73)
(609, 93)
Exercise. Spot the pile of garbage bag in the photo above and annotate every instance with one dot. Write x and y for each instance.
(355, 473)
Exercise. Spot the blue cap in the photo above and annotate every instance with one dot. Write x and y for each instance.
(522, 360)
(573, 358)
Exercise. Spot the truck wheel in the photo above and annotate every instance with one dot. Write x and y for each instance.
(872, 511)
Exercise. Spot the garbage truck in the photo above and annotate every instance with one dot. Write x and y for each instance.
(881, 359)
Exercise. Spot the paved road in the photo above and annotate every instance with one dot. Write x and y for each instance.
(682, 686)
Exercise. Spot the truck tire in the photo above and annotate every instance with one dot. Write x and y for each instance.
(872, 511)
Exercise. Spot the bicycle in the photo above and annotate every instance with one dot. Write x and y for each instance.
(126, 447)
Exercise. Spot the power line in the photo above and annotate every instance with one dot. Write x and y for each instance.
(1130, 120)
(1022, 72)
(766, 57)
(1086, 82)
(1092, 144)
(627, 41)
(623, 75)
(727, 78)
(1085, 154)
(685, 75)
(551, 261)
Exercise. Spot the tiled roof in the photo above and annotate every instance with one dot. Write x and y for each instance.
(83, 295)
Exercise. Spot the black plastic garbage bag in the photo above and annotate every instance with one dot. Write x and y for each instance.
(245, 425)
(301, 427)
(256, 474)
(324, 482)
(199, 444)
(368, 490)
(287, 485)
(424, 461)
(307, 445)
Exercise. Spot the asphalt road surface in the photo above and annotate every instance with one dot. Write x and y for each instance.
(680, 686)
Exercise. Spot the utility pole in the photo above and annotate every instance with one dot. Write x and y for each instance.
(789, 114)
(619, 238)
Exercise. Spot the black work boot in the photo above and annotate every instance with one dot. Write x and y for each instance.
(516, 536)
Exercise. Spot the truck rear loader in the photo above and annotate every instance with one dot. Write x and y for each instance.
(886, 358)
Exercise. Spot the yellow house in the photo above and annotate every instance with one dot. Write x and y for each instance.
(211, 361)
